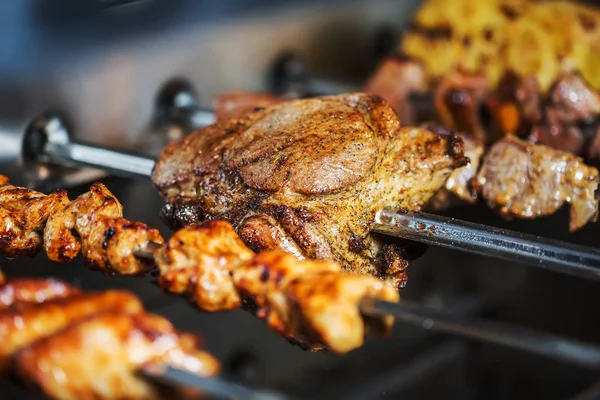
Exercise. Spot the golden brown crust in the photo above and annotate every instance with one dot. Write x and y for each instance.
(24, 323)
(23, 213)
(93, 225)
(312, 303)
(198, 261)
(113, 347)
(308, 176)
(33, 291)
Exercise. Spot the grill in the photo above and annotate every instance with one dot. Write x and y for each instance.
(127, 90)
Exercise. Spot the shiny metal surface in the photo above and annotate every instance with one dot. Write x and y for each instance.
(215, 386)
(490, 241)
(550, 346)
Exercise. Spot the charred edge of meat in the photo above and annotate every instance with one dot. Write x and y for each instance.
(455, 142)
(356, 244)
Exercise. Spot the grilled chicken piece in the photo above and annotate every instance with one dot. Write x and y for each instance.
(33, 291)
(105, 239)
(313, 302)
(308, 176)
(98, 358)
(398, 81)
(524, 180)
(23, 213)
(24, 323)
(198, 261)
(233, 105)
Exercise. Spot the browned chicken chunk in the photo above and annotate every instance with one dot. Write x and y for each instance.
(24, 323)
(308, 176)
(232, 105)
(23, 213)
(33, 291)
(198, 261)
(93, 224)
(99, 357)
(315, 304)
(525, 180)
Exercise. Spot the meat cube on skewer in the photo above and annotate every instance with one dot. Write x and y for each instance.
(313, 303)
(23, 213)
(24, 323)
(309, 175)
(106, 240)
(33, 291)
(99, 358)
(198, 261)
(528, 181)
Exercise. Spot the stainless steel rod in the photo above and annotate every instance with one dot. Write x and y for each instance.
(55, 145)
(490, 241)
(212, 386)
(543, 344)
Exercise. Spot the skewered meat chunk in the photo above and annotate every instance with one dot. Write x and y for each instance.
(524, 180)
(33, 291)
(312, 303)
(398, 80)
(105, 239)
(458, 99)
(23, 213)
(233, 105)
(101, 355)
(199, 260)
(24, 323)
(308, 176)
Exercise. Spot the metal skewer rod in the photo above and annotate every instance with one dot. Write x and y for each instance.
(543, 344)
(539, 343)
(53, 144)
(491, 241)
(213, 386)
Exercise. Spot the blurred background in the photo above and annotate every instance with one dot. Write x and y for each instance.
(102, 64)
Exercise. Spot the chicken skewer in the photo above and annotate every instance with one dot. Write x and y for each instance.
(312, 303)
(49, 331)
(53, 144)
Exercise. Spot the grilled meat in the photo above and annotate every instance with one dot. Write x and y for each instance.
(308, 176)
(24, 323)
(459, 100)
(233, 105)
(528, 181)
(33, 291)
(23, 213)
(458, 187)
(312, 303)
(101, 355)
(399, 81)
(198, 262)
(105, 239)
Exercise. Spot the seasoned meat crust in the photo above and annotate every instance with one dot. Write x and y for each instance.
(525, 180)
(308, 176)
